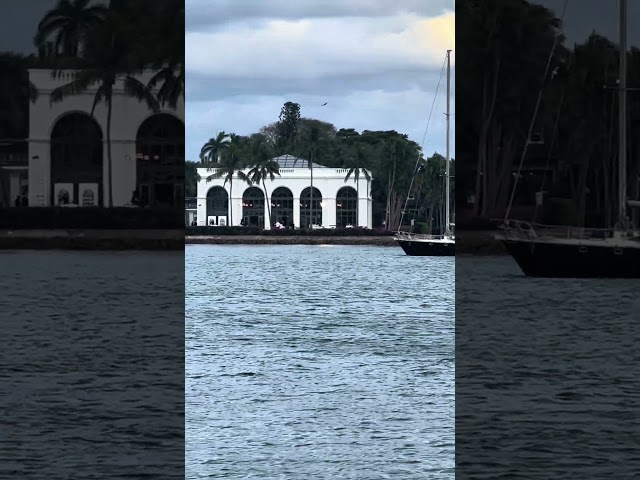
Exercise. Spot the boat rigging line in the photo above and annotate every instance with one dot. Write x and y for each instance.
(415, 171)
(535, 112)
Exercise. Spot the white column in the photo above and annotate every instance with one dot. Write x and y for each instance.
(201, 208)
(361, 188)
(296, 212)
(235, 204)
(328, 212)
(39, 175)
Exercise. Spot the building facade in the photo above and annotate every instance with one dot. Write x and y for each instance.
(333, 203)
(68, 151)
(14, 173)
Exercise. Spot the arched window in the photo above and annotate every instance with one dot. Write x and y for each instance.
(282, 206)
(217, 203)
(253, 207)
(347, 207)
(76, 153)
(310, 209)
(160, 161)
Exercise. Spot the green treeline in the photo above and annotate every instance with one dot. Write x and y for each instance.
(390, 157)
(503, 48)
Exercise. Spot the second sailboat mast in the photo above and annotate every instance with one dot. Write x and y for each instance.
(622, 111)
(447, 160)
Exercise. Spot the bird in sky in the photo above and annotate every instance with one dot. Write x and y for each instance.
(324, 104)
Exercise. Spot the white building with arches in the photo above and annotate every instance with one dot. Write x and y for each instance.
(68, 148)
(336, 203)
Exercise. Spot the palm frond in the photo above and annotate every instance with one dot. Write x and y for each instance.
(244, 177)
(140, 91)
(82, 80)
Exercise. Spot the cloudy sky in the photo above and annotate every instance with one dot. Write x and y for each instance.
(375, 62)
(584, 16)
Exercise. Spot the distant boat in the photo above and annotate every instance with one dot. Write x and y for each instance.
(574, 252)
(421, 245)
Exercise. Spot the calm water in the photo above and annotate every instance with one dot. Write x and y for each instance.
(546, 374)
(311, 362)
(91, 365)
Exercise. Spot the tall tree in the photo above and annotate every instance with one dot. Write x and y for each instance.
(287, 127)
(69, 23)
(263, 167)
(231, 165)
(356, 170)
(507, 45)
(212, 150)
(168, 58)
(308, 147)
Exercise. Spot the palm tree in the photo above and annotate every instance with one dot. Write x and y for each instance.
(308, 147)
(229, 166)
(263, 167)
(105, 59)
(211, 151)
(357, 172)
(168, 59)
(69, 22)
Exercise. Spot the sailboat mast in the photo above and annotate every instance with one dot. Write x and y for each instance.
(622, 111)
(447, 161)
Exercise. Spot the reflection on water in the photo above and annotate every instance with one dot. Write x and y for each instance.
(324, 363)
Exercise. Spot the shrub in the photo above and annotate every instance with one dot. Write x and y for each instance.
(323, 232)
(422, 227)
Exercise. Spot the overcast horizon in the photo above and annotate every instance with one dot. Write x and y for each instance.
(374, 63)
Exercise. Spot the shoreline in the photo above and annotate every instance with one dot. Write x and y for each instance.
(43, 239)
(385, 241)
(480, 242)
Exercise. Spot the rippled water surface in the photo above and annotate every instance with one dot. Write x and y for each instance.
(311, 362)
(546, 374)
(91, 365)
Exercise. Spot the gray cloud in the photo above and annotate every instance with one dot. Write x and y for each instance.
(201, 87)
(206, 15)
(376, 63)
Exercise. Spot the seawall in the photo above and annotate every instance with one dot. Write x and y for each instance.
(480, 242)
(92, 240)
(472, 242)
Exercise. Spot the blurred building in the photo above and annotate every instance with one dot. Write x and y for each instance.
(67, 148)
(335, 202)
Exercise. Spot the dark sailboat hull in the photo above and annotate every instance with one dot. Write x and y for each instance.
(555, 260)
(428, 249)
